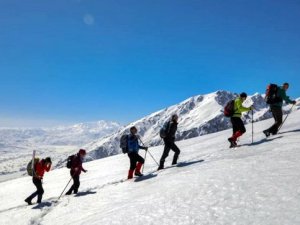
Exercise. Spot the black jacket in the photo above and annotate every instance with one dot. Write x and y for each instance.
(171, 131)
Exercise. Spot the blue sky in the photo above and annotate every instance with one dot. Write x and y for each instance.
(69, 61)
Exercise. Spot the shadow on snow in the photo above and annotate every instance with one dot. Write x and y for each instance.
(262, 141)
(290, 131)
(42, 205)
(80, 194)
(184, 164)
(146, 177)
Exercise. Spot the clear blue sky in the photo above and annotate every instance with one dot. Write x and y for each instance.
(68, 61)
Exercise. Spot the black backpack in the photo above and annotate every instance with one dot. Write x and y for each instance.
(271, 94)
(124, 143)
(69, 161)
(164, 130)
(229, 108)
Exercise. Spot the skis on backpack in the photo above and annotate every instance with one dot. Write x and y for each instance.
(33, 157)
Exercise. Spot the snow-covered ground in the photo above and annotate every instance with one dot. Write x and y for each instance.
(256, 183)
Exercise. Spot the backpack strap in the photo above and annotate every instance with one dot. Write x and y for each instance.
(168, 127)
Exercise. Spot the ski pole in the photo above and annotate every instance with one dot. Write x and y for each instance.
(149, 152)
(252, 126)
(153, 158)
(285, 118)
(141, 141)
(145, 154)
(64, 189)
(144, 160)
(32, 162)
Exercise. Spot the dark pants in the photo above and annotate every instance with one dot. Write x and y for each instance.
(40, 191)
(75, 186)
(134, 158)
(237, 125)
(277, 115)
(169, 145)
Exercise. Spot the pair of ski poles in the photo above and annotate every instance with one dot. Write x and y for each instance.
(146, 155)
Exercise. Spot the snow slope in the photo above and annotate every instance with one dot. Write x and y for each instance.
(256, 183)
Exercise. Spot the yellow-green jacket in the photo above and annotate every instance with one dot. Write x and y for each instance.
(239, 108)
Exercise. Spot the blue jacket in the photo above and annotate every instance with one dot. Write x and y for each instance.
(133, 144)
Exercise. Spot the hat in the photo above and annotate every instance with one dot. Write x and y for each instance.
(174, 117)
(48, 160)
(133, 128)
(243, 95)
(82, 152)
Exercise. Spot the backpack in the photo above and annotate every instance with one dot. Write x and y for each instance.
(271, 94)
(69, 161)
(164, 130)
(124, 143)
(229, 108)
(30, 171)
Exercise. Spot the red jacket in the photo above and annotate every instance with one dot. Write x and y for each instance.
(76, 166)
(40, 169)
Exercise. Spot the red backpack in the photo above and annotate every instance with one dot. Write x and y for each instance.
(271, 94)
(229, 108)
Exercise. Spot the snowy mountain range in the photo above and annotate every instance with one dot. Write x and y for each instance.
(16, 145)
(77, 134)
(198, 115)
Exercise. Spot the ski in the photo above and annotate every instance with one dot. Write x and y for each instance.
(33, 157)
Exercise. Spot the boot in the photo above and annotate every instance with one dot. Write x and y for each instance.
(233, 139)
(69, 192)
(174, 162)
(130, 174)
(39, 198)
(28, 201)
(138, 170)
(267, 133)
(232, 143)
(161, 166)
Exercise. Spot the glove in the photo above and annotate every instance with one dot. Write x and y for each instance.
(252, 107)
(146, 148)
(294, 102)
(85, 171)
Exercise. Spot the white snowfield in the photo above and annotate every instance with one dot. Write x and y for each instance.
(255, 184)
